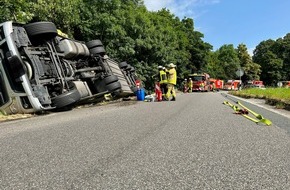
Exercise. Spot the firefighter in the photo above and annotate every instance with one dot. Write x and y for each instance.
(172, 77)
(163, 76)
(163, 81)
(213, 87)
(201, 86)
(156, 76)
(190, 83)
(185, 86)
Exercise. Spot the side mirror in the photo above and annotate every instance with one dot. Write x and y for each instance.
(17, 67)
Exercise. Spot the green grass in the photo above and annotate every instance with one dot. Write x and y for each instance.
(280, 97)
(271, 93)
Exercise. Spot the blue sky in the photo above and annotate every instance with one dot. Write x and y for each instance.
(232, 21)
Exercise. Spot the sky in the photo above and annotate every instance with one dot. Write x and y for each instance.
(232, 21)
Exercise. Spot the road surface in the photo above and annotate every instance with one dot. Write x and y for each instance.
(193, 143)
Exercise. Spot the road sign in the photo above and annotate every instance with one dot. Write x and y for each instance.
(240, 72)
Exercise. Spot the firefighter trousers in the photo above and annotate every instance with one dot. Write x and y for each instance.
(163, 87)
(170, 91)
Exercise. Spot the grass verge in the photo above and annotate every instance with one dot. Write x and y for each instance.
(278, 97)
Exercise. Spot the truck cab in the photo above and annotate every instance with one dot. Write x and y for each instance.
(201, 82)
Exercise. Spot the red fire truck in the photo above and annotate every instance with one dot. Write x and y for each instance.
(201, 82)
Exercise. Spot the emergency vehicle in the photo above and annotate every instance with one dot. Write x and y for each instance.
(232, 85)
(255, 84)
(201, 82)
(216, 84)
(258, 83)
(284, 84)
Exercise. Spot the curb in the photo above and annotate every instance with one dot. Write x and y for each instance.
(254, 101)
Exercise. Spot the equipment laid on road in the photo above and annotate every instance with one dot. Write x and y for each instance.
(141, 94)
(149, 98)
(244, 111)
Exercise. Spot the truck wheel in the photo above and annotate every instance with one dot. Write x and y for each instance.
(110, 79)
(94, 43)
(132, 69)
(113, 86)
(128, 68)
(123, 65)
(98, 50)
(66, 99)
(41, 30)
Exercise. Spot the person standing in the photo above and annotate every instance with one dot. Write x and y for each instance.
(185, 86)
(158, 82)
(163, 82)
(190, 83)
(172, 77)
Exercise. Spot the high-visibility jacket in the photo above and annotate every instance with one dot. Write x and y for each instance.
(190, 83)
(172, 76)
(163, 77)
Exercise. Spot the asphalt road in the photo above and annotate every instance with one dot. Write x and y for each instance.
(193, 143)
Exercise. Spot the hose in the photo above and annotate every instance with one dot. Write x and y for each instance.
(244, 111)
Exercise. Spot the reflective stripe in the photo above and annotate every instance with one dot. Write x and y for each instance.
(157, 87)
(163, 77)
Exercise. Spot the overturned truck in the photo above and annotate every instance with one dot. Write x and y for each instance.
(41, 70)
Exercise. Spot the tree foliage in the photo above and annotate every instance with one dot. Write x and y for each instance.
(223, 63)
(147, 39)
(274, 58)
(252, 70)
(16, 10)
(127, 29)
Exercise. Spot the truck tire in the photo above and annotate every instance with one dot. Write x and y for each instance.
(94, 43)
(123, 65)
(41, 30)
(128, 68)
(66, 99)
(98, 50)
(110, 79)
(113, 86)
(132, 69)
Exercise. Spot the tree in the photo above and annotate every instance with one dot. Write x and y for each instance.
(251, 69)
(127, 29)
(213, 67)
(229, 61)
(271, 64)
(64, 13)
(16, 10)
(285, 50)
